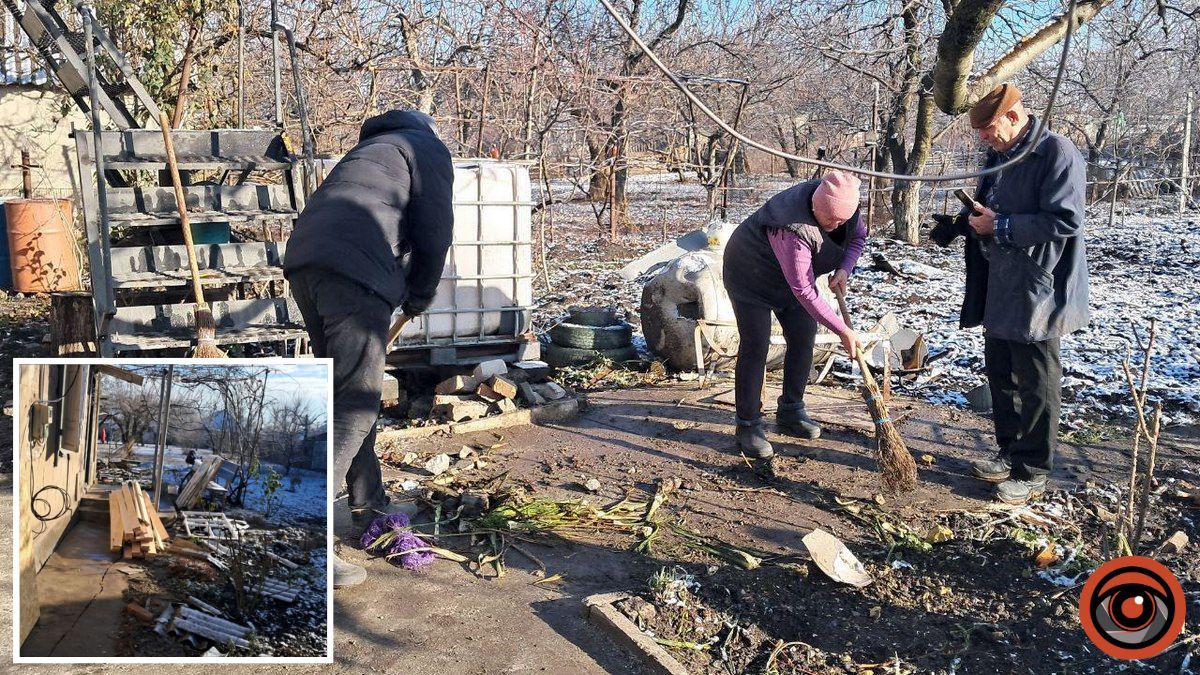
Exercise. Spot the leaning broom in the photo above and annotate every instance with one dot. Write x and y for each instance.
(895, 462)
(206, 325)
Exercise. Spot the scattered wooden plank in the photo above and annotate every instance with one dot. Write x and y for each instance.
(194, 488)
(159, 528)
(115, 533)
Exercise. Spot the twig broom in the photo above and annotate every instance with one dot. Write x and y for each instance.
(206, 325)
(895, 461)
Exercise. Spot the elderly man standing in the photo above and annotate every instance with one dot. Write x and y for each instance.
(1026, 284)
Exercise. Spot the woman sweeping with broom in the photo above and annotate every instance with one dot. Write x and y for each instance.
(772, 262)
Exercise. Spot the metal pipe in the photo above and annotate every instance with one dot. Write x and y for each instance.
(87, 14)
(306, 139)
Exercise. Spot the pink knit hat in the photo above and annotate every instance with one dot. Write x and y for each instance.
(837, 195)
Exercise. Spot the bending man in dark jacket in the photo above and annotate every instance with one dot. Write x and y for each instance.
(389, 201)
(1026, 284)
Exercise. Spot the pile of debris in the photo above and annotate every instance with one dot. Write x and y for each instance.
(134, 527)
(234, 591)
(112, 472)
(202, 476)
(494, 387)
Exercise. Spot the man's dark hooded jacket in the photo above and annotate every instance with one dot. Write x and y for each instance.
(384, 216)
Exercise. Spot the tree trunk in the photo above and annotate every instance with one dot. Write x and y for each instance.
(906, 197)
(598, 184)
(72, 330)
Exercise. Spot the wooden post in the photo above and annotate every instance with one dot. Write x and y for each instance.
(26, 176)
(1185, 188)
(612, 197)
(164, 419)
(72, 330)
(487, 81)
(537, 44)
(1116, 187)
(874, 156)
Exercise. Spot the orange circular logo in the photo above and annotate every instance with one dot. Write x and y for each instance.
(1132, 607)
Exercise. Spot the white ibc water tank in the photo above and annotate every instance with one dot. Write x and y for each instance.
(487, 285)
(486, 291)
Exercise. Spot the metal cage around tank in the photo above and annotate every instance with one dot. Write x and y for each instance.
(483, 305)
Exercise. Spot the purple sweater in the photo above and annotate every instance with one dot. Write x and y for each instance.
(795, 256)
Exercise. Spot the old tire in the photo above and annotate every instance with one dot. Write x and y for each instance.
(592, 316)
(565, 357)
(591, 337)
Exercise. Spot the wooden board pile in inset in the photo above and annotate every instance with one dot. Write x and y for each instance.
(134, 527)
(201, 476)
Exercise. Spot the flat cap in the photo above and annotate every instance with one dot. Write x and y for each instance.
(997, 102)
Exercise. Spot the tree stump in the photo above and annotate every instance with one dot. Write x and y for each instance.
(72, 328)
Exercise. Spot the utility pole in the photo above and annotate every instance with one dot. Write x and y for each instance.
(164, 416)
(1185, 187)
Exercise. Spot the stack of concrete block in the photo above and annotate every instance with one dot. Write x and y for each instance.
(494, 387)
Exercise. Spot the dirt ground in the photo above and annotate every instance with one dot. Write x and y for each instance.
(973, 604)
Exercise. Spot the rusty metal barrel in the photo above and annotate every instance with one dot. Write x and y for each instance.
(41, 245)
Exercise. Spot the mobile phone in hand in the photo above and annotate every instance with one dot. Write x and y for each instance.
(966, 200)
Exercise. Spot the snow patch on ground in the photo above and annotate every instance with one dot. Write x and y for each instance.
(1145, 265)
(306, 499)
(1143, 268)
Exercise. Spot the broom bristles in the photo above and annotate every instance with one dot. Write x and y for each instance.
(896, 463)
(206, 335)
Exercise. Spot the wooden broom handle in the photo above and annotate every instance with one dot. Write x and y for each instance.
(181, 205)
(397, 326)
(862, 360)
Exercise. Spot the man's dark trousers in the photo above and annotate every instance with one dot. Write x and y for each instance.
(1026, 384)
(349, 322)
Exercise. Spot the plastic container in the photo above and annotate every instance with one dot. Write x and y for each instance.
(210, 233)
(41, 245)
(486, 291)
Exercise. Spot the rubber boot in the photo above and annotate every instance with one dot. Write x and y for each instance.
(752, 439)
(346, 574)
(793, 420)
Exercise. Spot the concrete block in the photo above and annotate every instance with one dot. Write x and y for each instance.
(503, 386)
(528, 395)
(458, 408)
(551, 391)
(533, 371)
(485, 392)
(459, 384)
(488, 369)
(391, 388)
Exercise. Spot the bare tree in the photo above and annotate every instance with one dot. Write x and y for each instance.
(134, 409)
(292, 421)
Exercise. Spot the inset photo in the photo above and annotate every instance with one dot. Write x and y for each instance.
(172, 511)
